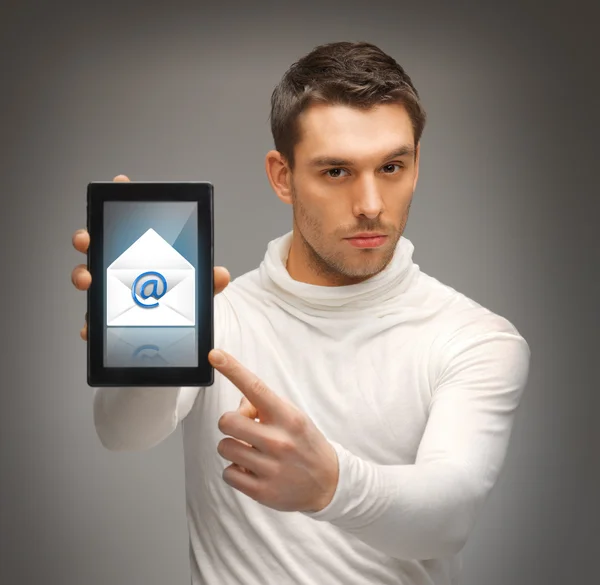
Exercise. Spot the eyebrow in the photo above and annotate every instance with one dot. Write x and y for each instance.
(326, 161)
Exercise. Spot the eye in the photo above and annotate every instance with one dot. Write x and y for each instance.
(334, 171)
(391, 165)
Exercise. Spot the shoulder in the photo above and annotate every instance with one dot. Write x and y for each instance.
(459, 316)
(470, 335)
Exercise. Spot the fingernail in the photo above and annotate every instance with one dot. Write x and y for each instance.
(218, 357)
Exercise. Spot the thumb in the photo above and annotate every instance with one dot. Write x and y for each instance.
(248, 409)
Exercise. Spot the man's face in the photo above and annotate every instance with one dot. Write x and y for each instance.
(355, 173)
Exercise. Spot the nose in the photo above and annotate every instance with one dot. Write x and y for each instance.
(368, 201)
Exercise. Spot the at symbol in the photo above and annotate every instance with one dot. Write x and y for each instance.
(153, 282)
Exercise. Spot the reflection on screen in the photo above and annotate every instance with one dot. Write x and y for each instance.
(150, 257)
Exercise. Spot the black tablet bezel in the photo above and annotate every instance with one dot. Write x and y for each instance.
(99, 192)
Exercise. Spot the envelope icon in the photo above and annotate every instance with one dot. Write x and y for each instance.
(150, 285)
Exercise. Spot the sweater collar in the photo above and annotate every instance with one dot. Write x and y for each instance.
(377, 291)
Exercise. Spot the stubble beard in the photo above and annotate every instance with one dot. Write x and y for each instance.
(334, 264)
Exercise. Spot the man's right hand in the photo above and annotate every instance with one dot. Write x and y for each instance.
(82, 278)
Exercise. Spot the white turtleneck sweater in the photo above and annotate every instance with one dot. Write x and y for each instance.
(414, 384)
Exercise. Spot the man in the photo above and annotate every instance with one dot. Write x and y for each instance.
(376, 403)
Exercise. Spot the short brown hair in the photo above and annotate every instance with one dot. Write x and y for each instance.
(356, 74)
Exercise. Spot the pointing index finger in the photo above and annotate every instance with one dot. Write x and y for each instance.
(251, 386)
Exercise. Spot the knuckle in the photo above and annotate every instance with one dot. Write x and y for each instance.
(222, 447)
(224, 421)
(277, 470)
(227, 475)
(257, 386)
(281, 446)
(297, 422)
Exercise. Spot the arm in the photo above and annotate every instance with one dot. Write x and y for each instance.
(136, 418)
(133, 419)
(427, 509)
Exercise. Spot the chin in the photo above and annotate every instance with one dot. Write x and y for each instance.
(365, 272)
(365, 268)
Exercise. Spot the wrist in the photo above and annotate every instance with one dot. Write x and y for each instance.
(331, 481)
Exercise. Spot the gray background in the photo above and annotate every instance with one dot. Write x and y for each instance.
(504, 212)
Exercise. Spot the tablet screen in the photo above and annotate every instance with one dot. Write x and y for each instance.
(150, 261)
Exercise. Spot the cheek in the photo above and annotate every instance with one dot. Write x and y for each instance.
(324, 210)
(309, 212)
(317, 217)
(398, 196)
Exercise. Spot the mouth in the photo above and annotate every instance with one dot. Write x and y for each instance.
(367, 240)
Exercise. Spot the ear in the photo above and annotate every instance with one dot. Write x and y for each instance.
(417, 159)
(279, 175)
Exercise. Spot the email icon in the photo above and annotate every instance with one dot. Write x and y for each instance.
(150, 285)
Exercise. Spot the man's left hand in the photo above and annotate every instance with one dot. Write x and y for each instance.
(278, 456)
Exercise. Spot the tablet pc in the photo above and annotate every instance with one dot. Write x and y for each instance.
(150, 302)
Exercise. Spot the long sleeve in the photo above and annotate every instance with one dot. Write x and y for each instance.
(427, 509)
(137, 418)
